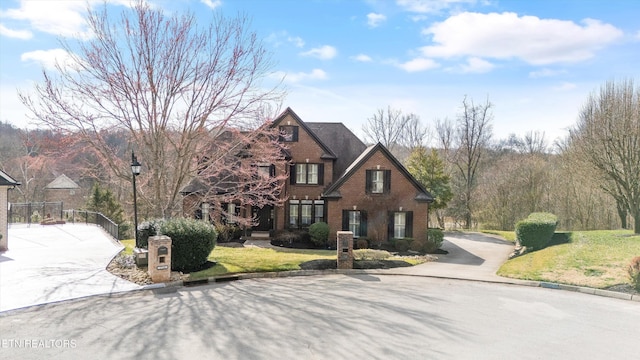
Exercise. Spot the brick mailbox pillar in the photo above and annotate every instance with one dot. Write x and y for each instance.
(345, 249)
(159, 258)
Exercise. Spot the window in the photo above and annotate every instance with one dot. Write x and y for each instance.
(318, 211)
(307, 174)
(289, 133)
(378, 181)
(355, 221)
(231, 212)
(401, 224)
(303, 213)
(306, 208)
(266, 170)
(294, 206)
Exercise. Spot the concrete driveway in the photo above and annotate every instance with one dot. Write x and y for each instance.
(471, 256)
(52, 263)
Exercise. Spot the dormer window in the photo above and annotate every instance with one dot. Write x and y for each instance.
(289, 133)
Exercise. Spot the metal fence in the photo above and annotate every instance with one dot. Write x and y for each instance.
(35, 212)
(53, 213)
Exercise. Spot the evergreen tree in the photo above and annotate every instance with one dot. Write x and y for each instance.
(103, 201)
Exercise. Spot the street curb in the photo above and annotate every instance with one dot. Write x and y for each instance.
(174, 285)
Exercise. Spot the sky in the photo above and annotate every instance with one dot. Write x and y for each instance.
(342, 60)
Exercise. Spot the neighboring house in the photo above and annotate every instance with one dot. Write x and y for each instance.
(65, 190)
(6, 183)
(335, 178)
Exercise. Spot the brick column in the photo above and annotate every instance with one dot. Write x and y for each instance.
(159, 258)
(345, 249)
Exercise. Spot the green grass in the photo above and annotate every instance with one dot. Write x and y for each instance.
(129, 244)
(596, 259)
(507, 235)
(245, 260)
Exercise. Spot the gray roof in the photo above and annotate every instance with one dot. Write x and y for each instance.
(62, 182)
(342, 142)
(6, 180)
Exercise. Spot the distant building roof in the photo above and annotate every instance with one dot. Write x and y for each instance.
(6, 180)
(62, 182)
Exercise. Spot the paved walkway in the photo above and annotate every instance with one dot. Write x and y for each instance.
(57, 262)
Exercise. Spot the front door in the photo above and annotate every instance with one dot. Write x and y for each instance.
(264, 216)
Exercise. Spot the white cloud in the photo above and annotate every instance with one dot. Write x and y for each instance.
(279, 38)
(64, 18)
(431, 6)
(529, 38)
(565, 86)
(16, 34)
(477, 65)
(315, 74)
(361, 58)
(212, 3)
(325, 52)
(545, 73)
(48, 58)
(638, 35)
(418, 64)
(375, 20)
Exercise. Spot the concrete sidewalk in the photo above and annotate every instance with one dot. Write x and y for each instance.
(52, 263)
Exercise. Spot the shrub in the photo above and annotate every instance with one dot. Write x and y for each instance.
(634, 272)
(148, 228)
(434, 241)
(536, 230)
(402, 245)
(370, 254)
(228, 232)
(418, 245)
(319, 233)
(362, 243)
(191, 242)
(291, 238)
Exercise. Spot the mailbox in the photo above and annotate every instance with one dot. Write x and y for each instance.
(160, 258)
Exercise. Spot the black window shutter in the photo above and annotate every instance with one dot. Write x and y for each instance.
(390, 225)
(345, 220)
(292, 174)
(409, 225)
(295, 134)
(368, 182)
(272, 170)
(387, 181)
(320, 174)
(363, 223)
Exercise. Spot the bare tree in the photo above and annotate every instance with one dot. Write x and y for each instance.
(394, 130)
(607, 136)
(171, 84)
(465, 144)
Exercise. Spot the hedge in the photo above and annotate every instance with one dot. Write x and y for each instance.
(536, 230)
(191, 240)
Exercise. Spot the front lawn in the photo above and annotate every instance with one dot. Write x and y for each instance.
(597, 259)
(246, 260)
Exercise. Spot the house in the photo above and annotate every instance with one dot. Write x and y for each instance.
(63, 189)
(6, 183)
(333, 177)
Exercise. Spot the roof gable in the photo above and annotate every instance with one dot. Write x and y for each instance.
(62, 182)
(327, 152)
(6, 180)
(333, 190)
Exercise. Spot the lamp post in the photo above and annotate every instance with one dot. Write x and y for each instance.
(135, 169)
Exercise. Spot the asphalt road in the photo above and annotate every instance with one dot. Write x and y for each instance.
(329, 317)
